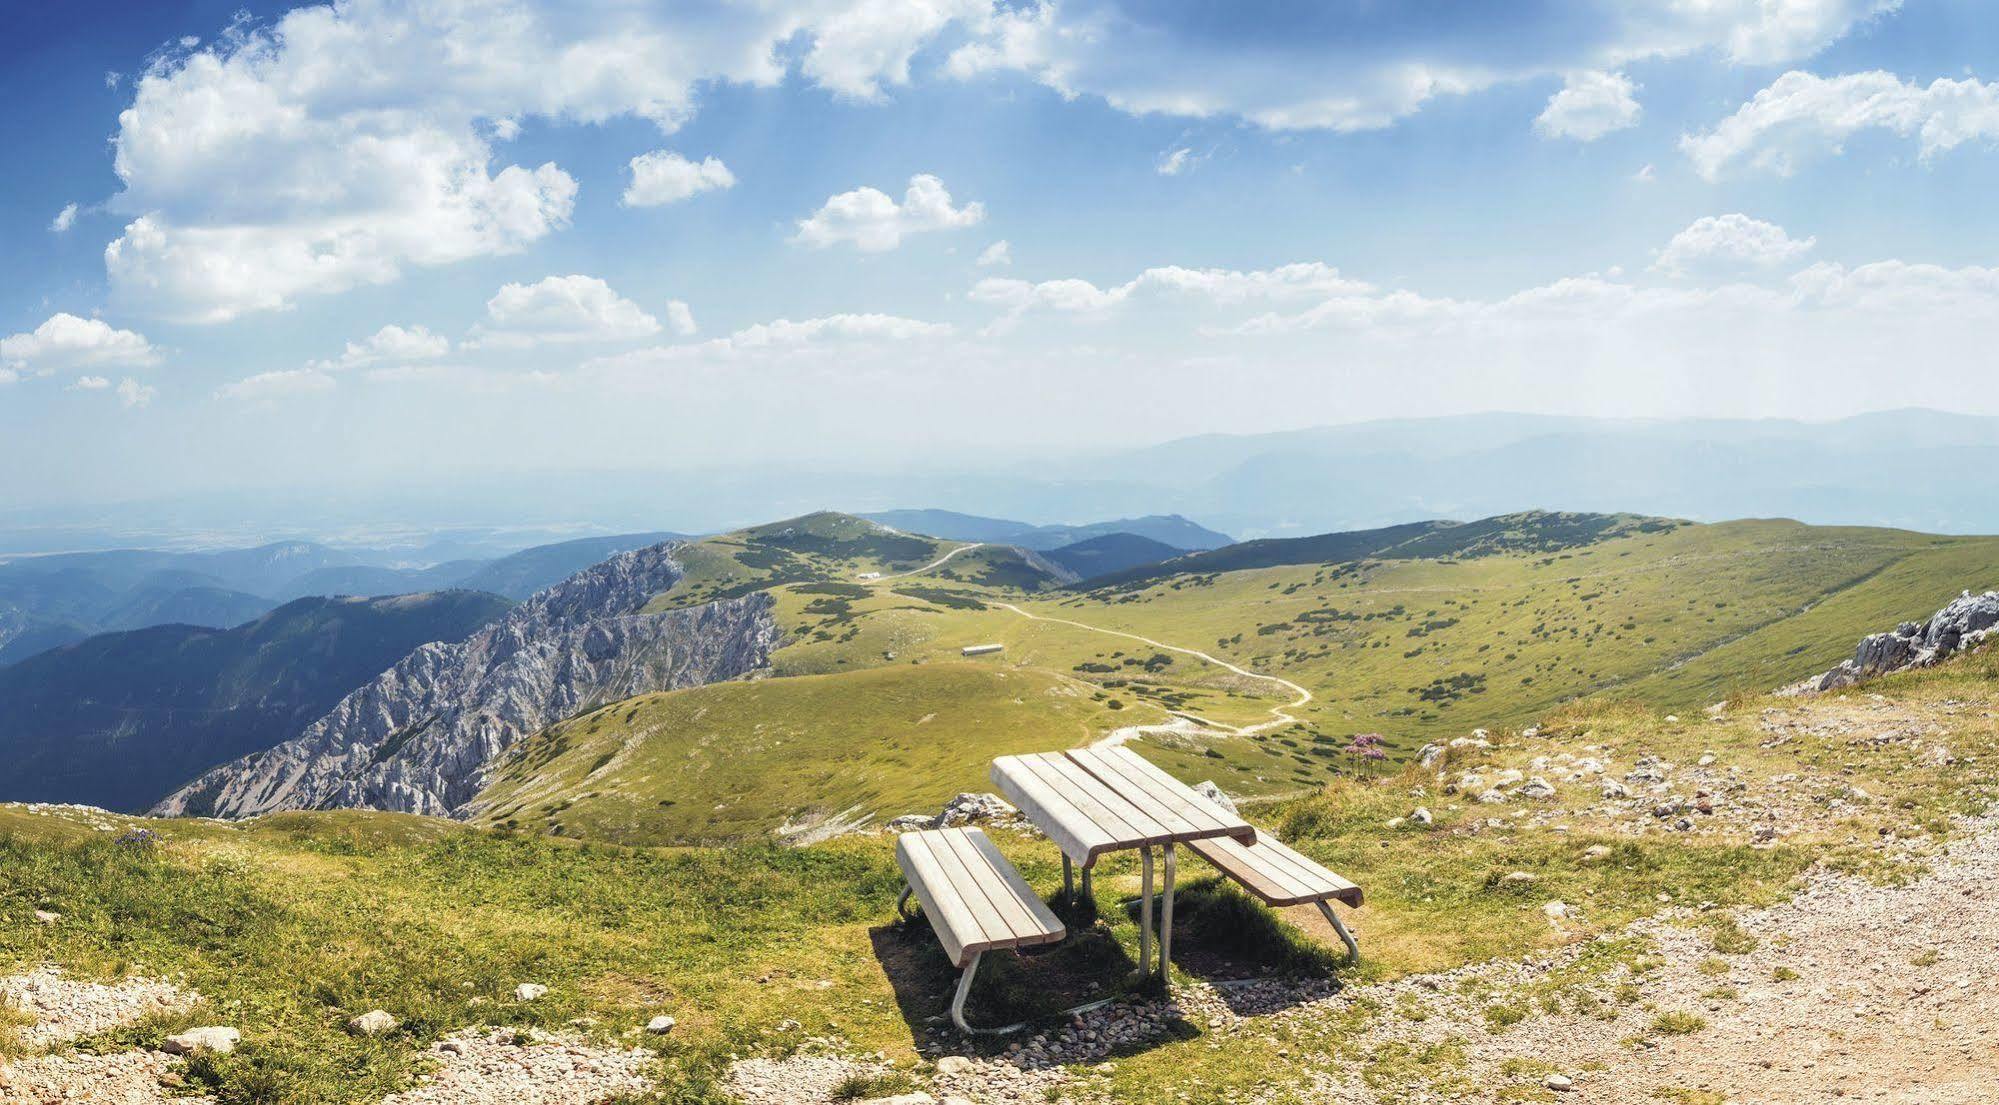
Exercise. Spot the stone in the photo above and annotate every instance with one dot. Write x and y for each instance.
(912, 822)
(1560, 1083)
(1421, 815)
(530, 991)
(1429, 754)
(953, 1065)
(47, 917)
(916, 1098)
(660, 1025)
(1538, 789)
(1493, 796)
(1519, 878)
(1508, 777)
(1614, 789)
(1556, 910)
(1206, 788)
(974, 809)
(1595, 852)
(215, 1038)
(372, 1023)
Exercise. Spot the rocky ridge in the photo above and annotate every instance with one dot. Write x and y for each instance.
(1967, 622)
(419, 737)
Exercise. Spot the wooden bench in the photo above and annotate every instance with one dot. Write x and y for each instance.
(974, 899)
(1281, 876)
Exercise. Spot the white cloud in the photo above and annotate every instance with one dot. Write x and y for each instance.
(283, 384)
(64, 219)
(370, 126)
(390, 345)
(561, 309)
(812, 340)
(1646, 174)
(90, 383)
(1175, 161)
(1366, 69)
(664, 176)
(999, 253)
(873, 221)
(1306, 280)
(68, 342)
(680, 318)
(132, 393)
(1590, 105)
(1800, 115)
(1732, 240)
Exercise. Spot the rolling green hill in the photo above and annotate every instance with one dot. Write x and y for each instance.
(1424, 632)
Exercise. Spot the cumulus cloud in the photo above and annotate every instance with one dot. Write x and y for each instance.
(132, 393)
(664, 176)
(561, 309)
(680, 318)
(1589, 106)
(90, 383)
(999, 253)
(390, 345)
(283, 384)
(1305, 280)
(1801, 114)
(873, 221)
(1372, 65)
(1733, 240)
(64, 219)
(371, 124)
(780, 341)
(68, 342)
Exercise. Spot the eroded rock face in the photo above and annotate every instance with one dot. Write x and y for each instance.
(1967, 622)
(419, 737)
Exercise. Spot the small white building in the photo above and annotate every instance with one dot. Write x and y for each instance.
(870, 575)
(980, 650)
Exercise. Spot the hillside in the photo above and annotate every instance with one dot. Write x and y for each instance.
(1498, 620)
(1167, 529)
(1111, 554)
(1641, 958)
(120, 719)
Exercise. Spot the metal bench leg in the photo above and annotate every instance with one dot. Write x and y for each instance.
(902, 903)
(964, 990)
(1068, 878)
(1145, 912)
(1089, 887)
(1353, 948)
(1166, 920)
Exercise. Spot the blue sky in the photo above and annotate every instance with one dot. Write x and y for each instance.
(391, 241)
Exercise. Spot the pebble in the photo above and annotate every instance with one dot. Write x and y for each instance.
(529, 991)
(660, 1025)
(372, 1023)
(219, 1039)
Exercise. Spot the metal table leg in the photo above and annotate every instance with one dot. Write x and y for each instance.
(1068, 879)
(1166, 921)
(1145, 911)
(1353, 948)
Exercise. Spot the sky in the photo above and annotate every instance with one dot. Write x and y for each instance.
(398, 242)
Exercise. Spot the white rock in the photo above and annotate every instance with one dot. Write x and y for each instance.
(1538, 789)
(660, 1025)
(45, 917)
(529, 991)
(1492, 797)
(1560, 1083)
(954, 1064)
(372, 1023)
(216, 1038)
(1614, 789)
(1422, 816)
(1556, 910)
(1206, 788)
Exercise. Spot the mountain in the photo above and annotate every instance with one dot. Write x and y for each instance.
(1167, 529)
(119, 719)
(418, 737)
(543, 566)
(1111, 553)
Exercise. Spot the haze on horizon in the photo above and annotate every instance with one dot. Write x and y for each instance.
(419, 243)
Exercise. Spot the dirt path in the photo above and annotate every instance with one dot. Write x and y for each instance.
(1279, 715)
(937, 563)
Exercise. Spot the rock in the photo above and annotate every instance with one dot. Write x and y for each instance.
(216, 1038)
(1673, 719)
(1508, 777)
(660, 1025)
(530, 991)
(1429, 754)
(418, 738)
(1965, 622)
(47, 917)
(372, 1023)
(1492, 797)
(912, 822)
(1614, 789)
(1519, 878)
(1421, 815)
(1538, 789)
(1556, 910)
(1560, 1083)
(974, 809)
(917, 1098)
(1595, 852)
(953, 1065)
(1206, 788)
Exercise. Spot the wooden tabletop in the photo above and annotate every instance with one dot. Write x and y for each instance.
(1095, 800)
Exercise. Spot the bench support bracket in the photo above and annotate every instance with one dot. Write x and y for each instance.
(1353, 948)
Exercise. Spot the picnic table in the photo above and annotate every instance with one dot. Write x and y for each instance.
(1095, 800)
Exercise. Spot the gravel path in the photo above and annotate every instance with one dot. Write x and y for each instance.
(485, 1066)
(65, 1010)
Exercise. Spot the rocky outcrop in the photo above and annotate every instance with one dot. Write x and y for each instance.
(419, 737)
(1969, 621)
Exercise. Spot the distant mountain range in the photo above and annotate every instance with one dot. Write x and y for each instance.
(47, 601)
(121, 718)
(1166, 529)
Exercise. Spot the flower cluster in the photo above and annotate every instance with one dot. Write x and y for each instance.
(138, 839)
(1368, 746)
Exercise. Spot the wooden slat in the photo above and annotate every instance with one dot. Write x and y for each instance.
(1117, 814)
(1191, 816)
(1275, 872)
(973, 898)
(1079, 837)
